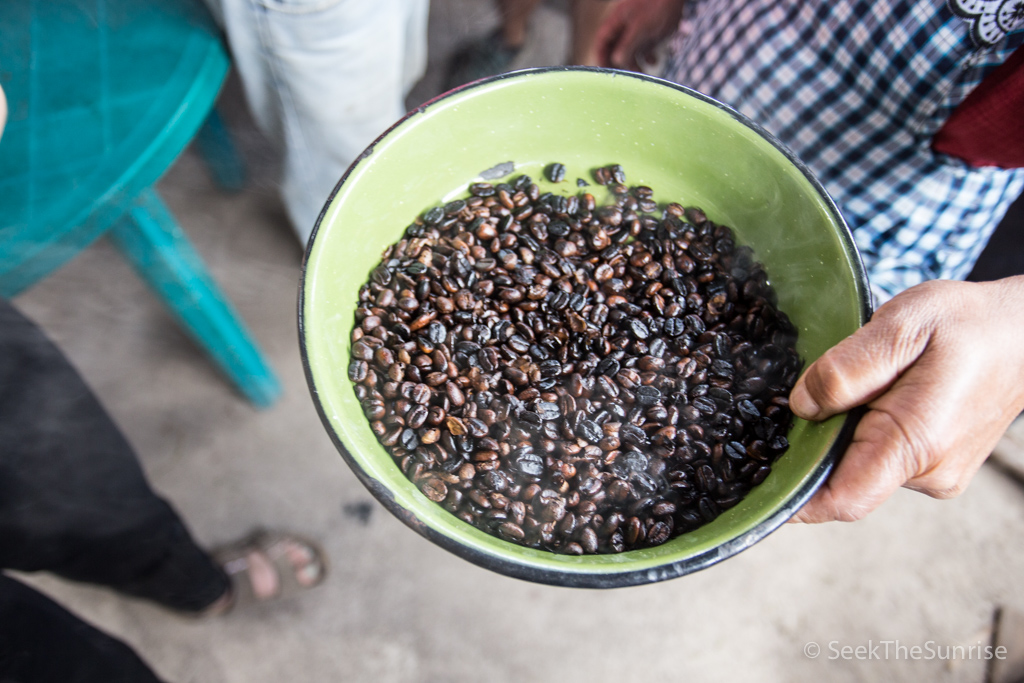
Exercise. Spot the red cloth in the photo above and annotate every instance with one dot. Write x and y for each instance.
(987, 128)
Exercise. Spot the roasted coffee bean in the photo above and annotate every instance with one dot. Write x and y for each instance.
(454, 207)
(357, 370)
(674, 327)
(608, 366)
(434, 489)
(530, 464)
(436, 332)
(588, 540)
(693, 324)
(658, 534)
(417, 417)
(549, 368)
(511, 531)
(556, 173)
(548, 411)
(434, 215)
(705, 405)
(638, 329)
(589, 431)
(633, 435)
(736, 451)
(748, 412)
(574, 377)
(663, 509)
(647, 395)
(708, 510)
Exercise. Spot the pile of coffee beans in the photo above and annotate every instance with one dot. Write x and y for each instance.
(574, 377)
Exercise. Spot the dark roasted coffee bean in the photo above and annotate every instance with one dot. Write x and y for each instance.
(608, 366)
(558, 229)
(658, 534)
(753, 385)
(549, 506)
(748, 411)
(454, 207)
(455, 395)
(434, 215)
(434, 489)
(417, 417)
(556, 173)
(436, 332)
(530, 465)
(693, 324)
(357, 370)
(638, 329)
(704, 405)
(708, 509)
(663, 509)
(631, 434)
(736, 451)
(760, 475)
(548, 411)
(409, 439)
(476, 428)
(647, 395)
(721, 368)
(634, 461)
(518, 343)
(674, 327)
(589, 431)
(511, 531)
(531, 421)
(588, 540)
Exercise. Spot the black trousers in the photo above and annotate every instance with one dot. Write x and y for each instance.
(74, 502)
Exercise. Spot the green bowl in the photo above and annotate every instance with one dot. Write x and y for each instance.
(686, 146)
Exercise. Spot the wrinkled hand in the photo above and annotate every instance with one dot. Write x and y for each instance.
(940, 369)
(633, 29)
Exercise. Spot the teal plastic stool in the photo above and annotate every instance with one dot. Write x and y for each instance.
(103, 95)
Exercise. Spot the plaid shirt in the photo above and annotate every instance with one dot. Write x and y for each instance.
(857, 89)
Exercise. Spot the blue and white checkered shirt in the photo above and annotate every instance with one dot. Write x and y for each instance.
(857, 89)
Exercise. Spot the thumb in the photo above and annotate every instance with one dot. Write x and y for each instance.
(865, 364)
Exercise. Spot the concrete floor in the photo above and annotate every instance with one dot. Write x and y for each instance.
(396, 608)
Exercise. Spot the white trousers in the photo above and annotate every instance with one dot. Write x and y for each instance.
(324, 78)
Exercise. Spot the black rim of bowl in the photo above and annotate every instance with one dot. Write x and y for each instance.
(580, 578)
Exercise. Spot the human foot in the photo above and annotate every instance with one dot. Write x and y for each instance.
(267, 566)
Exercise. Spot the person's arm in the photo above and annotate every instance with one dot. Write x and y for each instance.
(940, 369)
(633, 29)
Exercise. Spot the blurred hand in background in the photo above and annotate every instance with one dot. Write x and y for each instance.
(633, 29)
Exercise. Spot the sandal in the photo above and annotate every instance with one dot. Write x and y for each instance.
(237, 560)
(482, 58)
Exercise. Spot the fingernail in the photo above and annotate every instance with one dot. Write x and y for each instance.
(801, 403)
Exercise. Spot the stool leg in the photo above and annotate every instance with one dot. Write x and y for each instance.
(155, 245)
(219, 151)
